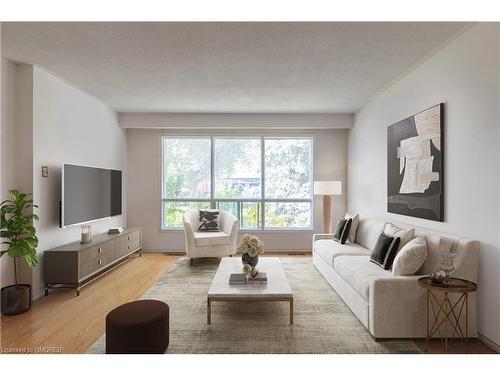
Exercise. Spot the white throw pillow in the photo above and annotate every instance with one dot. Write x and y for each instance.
(405, 235)
(410, 258)
(354, 226)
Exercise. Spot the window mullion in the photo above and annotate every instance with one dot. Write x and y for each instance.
(262, 182)
(212, 174)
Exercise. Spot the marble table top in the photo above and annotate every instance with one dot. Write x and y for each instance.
(277, 283)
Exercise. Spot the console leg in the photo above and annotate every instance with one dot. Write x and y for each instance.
(192, 261)
(46, 290)
(78, 291)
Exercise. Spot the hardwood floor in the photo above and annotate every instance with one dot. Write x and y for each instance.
(71, 324)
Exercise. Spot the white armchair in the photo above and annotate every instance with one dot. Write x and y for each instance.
(210, 244)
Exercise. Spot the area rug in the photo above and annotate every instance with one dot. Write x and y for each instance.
(323, 323)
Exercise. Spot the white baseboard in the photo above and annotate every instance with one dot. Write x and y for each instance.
(493, 345)
(182, 251)
(169, 251)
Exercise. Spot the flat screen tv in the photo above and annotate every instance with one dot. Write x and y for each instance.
(89, 194)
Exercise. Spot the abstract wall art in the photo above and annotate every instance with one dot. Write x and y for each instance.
(415, 165)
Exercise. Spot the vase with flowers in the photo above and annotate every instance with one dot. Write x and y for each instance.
(251, 247)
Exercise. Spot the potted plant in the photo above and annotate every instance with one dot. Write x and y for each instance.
(18, 233)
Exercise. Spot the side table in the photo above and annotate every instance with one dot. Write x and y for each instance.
(447, 315)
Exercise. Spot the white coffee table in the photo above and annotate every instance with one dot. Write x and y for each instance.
(276, 289)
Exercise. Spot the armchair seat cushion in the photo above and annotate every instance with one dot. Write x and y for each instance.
(211, 238)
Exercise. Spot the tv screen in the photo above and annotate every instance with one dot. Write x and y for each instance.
(89, 194)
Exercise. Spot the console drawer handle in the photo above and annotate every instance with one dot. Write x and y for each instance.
(128, 247)
(99, 262)
(99, 251)
(129, 238)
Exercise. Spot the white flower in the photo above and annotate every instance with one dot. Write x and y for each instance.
(247, 268)
(254, 242)
(245, 239)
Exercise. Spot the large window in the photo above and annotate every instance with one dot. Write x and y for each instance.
(265, 182)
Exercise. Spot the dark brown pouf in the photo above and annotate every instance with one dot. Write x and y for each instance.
(138, 327)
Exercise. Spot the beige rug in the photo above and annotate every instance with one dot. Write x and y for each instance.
(323, 323)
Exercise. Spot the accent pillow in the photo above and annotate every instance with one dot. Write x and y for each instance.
(342, 230)
(405, 235)
(410, 258)
(354, 226)
(209, 221)
(385, 250)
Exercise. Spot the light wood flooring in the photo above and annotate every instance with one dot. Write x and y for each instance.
(73, 324)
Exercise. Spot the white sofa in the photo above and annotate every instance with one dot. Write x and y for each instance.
(390, 306)
(210, 244)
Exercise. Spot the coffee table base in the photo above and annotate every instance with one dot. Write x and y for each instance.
(210, 300)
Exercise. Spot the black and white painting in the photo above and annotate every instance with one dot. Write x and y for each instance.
(415, 165)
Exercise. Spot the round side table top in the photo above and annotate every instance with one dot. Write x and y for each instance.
(451, 285)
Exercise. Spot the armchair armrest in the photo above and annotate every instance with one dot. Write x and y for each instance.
(230, 224)
(188, 229)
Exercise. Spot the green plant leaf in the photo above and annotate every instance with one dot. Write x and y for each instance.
(16, 226)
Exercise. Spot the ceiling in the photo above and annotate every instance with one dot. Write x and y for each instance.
(228, 67)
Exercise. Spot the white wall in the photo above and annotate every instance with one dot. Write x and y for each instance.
(69, 126)
(16, 146)
(330, 162)
(463, 75)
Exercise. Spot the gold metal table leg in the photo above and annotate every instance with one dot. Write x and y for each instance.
(428, 318)
(446, 322)
(466, 322)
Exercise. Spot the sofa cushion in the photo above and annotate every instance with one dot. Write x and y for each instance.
(368, 232)
(359, 273)
(329, 249)
(211, 238)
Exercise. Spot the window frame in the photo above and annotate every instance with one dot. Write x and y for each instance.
(262, 200)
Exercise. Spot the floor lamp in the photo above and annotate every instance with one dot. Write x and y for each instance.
(327, 189)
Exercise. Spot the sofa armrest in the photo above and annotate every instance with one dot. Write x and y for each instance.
(397, 304)
(322, 236)
(466, 260)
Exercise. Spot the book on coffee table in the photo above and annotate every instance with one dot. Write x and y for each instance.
(260, 278)
(237, 279)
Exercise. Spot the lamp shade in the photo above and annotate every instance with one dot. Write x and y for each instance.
(328, 187)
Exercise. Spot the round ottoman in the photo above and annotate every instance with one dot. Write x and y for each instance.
(138, 327)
